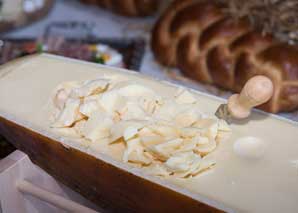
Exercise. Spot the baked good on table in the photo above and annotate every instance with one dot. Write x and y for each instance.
(127, 7)
(18, 13)
(211, 46)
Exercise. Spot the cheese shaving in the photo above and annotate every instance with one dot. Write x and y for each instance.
(165, 136)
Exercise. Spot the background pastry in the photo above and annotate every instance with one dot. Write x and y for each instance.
(210, 44)
(127, 7)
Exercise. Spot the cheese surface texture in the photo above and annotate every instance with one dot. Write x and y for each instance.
(240, 180)
(165, 136)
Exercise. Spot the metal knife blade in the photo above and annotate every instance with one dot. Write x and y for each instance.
(222, 112)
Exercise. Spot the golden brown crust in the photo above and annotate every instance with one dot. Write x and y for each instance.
(127, 7)
(108, 186)
(207, 45)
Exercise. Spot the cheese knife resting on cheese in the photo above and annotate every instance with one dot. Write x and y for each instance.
(164, 133)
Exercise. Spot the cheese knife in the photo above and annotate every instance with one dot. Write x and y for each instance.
(257, 90)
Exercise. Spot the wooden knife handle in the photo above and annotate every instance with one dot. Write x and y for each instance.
(256, 91)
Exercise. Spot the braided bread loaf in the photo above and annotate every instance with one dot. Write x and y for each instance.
(127, 7)
(208, 46)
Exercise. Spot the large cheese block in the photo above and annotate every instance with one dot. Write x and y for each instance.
(246, 178)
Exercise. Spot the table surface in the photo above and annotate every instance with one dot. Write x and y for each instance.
(108, 25)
